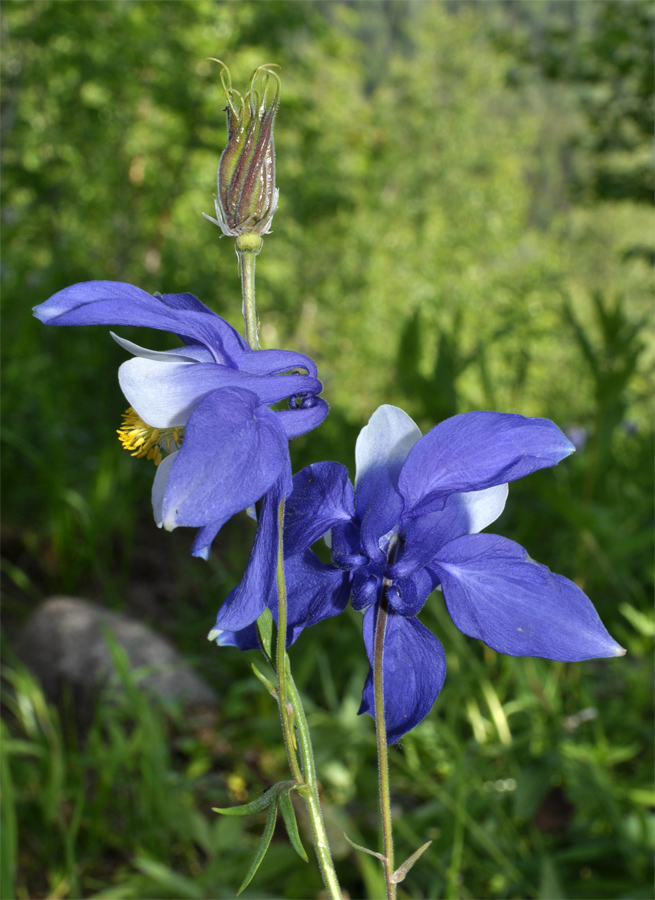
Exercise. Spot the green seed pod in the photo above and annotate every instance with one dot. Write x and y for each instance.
(247, 196)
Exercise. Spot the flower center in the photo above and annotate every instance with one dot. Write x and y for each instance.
(143, 440)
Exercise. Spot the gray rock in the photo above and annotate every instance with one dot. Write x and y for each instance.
(65, 645)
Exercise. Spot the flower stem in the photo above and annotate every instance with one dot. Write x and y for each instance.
(292, 713)
(247, 247)
(381, 737)
(309, 793)
(291, 708)
(287, 710)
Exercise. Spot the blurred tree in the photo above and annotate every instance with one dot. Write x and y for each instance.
(605, 53)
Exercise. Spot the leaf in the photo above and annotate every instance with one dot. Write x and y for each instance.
(270, 687)
(255, 805)
(364, 849)
(174, 884)
(269, 828)
(401, 871)
(265, 634)
(9, 828)
(289, 816)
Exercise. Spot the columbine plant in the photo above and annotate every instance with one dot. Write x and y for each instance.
(411, 525)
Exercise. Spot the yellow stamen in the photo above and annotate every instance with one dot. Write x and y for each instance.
(142, 439)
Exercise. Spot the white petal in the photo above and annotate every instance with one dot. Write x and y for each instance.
(159, 486)
(165, 393)
(385, 442)
(184, 354)
(482, 507)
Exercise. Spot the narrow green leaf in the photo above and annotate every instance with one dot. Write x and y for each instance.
(364, 849)
(269, 828)
(265, 634)
(174, 884)
(401, 871)
(289, 816)
(270, 687)
(8, 834)
(255, 805)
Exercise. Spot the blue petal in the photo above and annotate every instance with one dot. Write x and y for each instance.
(258, 587)
(474, 451)
(275, 362)
(315, 591)
(413, 672)
(408, 595)
(496, 593)
(381, 450)
(117, 303)
(304, 417)
(322, 496)
(346, 545)
(233, 451)
(425, 534)
(164, 392)
(246, 639)
(366, 586)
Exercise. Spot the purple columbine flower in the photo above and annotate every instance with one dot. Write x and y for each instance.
(206, 405)
(414, 521)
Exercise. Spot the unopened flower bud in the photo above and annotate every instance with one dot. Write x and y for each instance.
(247, 196)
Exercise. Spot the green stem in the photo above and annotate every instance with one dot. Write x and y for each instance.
(381, 737)
(292, 713)
(287, 710)
(247, 247)
(291, 708)
(309, 793)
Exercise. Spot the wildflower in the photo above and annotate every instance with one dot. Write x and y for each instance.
(205, 405)
(247, 197)
(412, 524)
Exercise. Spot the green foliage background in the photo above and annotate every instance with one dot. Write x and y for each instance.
(465, 222)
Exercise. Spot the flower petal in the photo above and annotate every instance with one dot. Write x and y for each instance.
(190, 353)
(315, 591)
(496, 593)
(381, 450)
(322, 496)
(234, 450)
(159, 486)
(462, 514)
(474, 451)
(245, 639)
(407, 596)
(276, 362)
(413, 672)
(165, 392)
(304, 417)
(258, 587)
(117, 303)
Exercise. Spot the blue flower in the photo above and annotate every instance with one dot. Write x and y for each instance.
(412, 524)
(206, 404)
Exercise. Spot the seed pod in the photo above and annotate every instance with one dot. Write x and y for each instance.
(247, 196)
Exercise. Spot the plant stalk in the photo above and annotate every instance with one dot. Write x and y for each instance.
(287, 710)
(247, 247)
(292, 713)
(381, 738)
(291, 708)
(309, 793)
